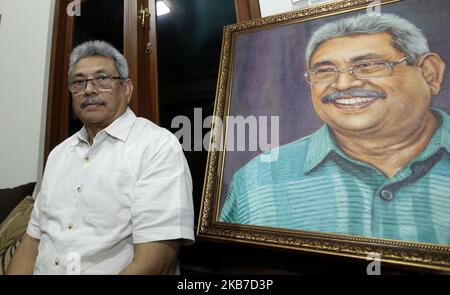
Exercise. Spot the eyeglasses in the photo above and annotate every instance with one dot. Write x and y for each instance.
(100, 82)
(363, 70)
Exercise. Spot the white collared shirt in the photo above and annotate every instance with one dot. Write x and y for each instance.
(132, 185)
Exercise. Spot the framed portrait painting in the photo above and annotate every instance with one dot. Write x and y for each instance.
(331, 133)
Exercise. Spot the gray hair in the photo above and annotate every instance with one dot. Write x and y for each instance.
(406, 36)
(99, 48)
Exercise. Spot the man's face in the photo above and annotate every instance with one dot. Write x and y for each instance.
(99, 107)
(392, 103)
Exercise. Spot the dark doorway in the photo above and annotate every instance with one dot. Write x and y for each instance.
(189, 45)
(99, 20)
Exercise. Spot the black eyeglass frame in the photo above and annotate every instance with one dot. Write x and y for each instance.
(96, 85)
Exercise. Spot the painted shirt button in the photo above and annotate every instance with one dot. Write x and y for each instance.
(79, 189)
(70, 225)
(387, 194)
(87, 159)
(56, 261)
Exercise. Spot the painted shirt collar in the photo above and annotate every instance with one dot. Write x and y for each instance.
(322, 142)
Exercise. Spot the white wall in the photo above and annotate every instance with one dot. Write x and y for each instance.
(271, 7)
(25, 45)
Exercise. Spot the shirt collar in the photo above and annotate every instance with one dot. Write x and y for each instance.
(322, 142)
(119, 129)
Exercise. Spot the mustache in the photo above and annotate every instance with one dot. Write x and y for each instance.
(353, 92)
(92, 100)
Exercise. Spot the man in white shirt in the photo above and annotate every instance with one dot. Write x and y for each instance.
(116, 197)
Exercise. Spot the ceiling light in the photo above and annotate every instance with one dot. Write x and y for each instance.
(162, 8)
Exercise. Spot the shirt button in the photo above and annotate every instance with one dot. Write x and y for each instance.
(87, 159)
(387, 194)
(79, 189)
(56, 261)
(70, 225)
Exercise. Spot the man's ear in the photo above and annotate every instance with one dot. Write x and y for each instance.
(128, 85)
(433, 68)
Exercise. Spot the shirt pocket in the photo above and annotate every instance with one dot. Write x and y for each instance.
(107, 207)
(104, 225)
(57, 203)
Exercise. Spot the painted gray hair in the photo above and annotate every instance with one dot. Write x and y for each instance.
(99, 48)
(406, 36)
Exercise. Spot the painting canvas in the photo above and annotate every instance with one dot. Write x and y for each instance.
(332, 132)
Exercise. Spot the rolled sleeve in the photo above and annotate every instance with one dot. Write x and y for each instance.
(162, 208)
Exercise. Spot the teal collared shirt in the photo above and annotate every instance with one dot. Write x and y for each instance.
(313, 185)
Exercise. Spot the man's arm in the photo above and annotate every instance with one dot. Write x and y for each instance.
(23, 260)
(154, 258)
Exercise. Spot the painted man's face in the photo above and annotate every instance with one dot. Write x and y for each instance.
(384, 105)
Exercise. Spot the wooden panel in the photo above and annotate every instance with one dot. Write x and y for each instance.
(247, 10)
(130, 47)
(143, 65)
(151, 70)
(58, 94)
(142, 87)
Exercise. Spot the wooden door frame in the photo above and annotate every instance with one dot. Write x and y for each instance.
(143, 65)
(58, 92)
(143, 69)
(247, 10)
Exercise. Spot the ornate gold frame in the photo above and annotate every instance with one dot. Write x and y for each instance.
(420, 255)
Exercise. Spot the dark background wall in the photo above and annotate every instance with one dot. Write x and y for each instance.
(189, 45)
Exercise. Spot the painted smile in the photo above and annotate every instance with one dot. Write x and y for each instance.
(354, 98)
(354, 101)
